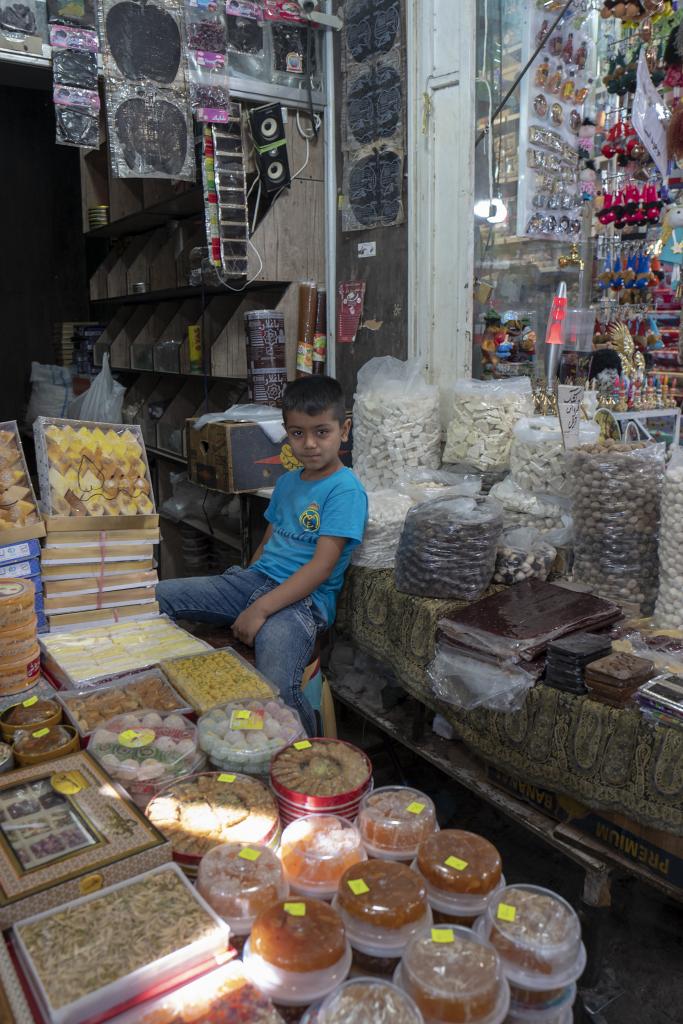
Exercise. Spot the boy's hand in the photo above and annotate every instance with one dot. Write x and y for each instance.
(246, 626)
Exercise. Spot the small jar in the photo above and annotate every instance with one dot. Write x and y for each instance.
(382, 904)
(538, 937)
(297, 952)
(394, 820)
(239, 881)
(316, 851)
(462, 871)
(454, 977)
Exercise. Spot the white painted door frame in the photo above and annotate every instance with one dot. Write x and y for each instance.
(441, 56)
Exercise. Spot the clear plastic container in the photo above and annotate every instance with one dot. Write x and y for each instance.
(546, 1007)
(320, 775)
(462, 871)
(394, 820)
(90, 709)
(368, 1001)
(201, 811)
(239, 881)
(538, 936)
(382, 904)
(44, 744)
(86, 958)
(145, 750)
(245, 735)
(315, 852)
(212, 678)
(454, 977)
(297, 952)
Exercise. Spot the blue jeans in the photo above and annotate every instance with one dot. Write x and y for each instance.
(285, 642)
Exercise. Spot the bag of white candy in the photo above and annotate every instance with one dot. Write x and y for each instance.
(538, 460)
(484, 414)
(396, 422)
(387, 511)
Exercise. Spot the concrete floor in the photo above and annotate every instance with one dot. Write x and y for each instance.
(641, 981)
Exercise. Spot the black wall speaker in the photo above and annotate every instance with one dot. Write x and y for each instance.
(268, 133)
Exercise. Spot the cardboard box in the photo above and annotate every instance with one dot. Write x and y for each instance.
(657, 852)
(236, 457)
(94, 555)
(108, 838)
(101, 584)
(103, 616)
(20, 570)
(60, 603)
(19, 552)
(113, 539)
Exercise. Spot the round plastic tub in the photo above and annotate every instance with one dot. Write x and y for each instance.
(538, 937)
(316, 851)
(239, 881)
(529, 1006)
(382, 904)
(454, 977)
(297, 952)
(17, 674)
(367, 1001)
(145, 750)
(462, 872)
(245, 735)
(17, 603)
(44, 744)
(18, 641)
(198, 812)
(29, 715)
(394, 820)
(320, 775)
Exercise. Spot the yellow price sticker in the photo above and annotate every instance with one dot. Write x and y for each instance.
(29, 702)
(226, 778)
(506, 912)
(134, 738)
(40, 732)
(248, 854)
(295, 909)
(302, 745)
(241, 720)
(455, 862)
(242, 714)
(415, 808)
(358, 886)
(442, 935)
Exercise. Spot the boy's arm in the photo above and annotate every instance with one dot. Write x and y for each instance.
(302, 583)
(259, 550)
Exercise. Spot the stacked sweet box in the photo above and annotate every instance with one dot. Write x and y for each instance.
(98, 559)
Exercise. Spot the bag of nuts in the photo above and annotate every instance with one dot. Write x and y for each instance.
(484, 414)
(448, 548)
(523, 554)
(616, 496)
(396, 422)
(669, 608)
(538, 460)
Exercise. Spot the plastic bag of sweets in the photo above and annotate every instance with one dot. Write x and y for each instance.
(448, 548)
(669, 608)
(538, 459)
(484, 415)
(387, 511)
(396, 422)
(616, 497)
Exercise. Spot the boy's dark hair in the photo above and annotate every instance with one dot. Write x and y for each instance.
(314, 395)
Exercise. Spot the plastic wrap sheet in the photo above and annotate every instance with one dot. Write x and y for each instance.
(616, 497)
(467, 683)
(396, 423)
(150, 132)
(448, 548)
(373, 186)
(144, 42)
(374, 103)
(75, 68)
(521, 620)
(77, 117)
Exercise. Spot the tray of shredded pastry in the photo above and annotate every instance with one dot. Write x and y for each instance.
(90, 957)
(83, 658)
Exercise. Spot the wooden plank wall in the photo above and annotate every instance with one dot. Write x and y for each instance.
(386, 277)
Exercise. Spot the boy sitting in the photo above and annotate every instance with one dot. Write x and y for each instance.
(316, 517)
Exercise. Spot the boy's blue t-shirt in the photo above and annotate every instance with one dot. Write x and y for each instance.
(301, 511)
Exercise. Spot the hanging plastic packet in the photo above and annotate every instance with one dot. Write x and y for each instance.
(68, 37)
(75, 67)
(246, 41)
(19, 18)
(209, 93)
(284, 11)
(77, 117)
(79, 13)
(211, 218)
(205, 29)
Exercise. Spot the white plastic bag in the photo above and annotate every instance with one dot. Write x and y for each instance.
(396, 422)
(51, 393)
(387, 511)
(538, 460)
(484, 414)
(103, 401)
(469, 683)
(268, 418)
